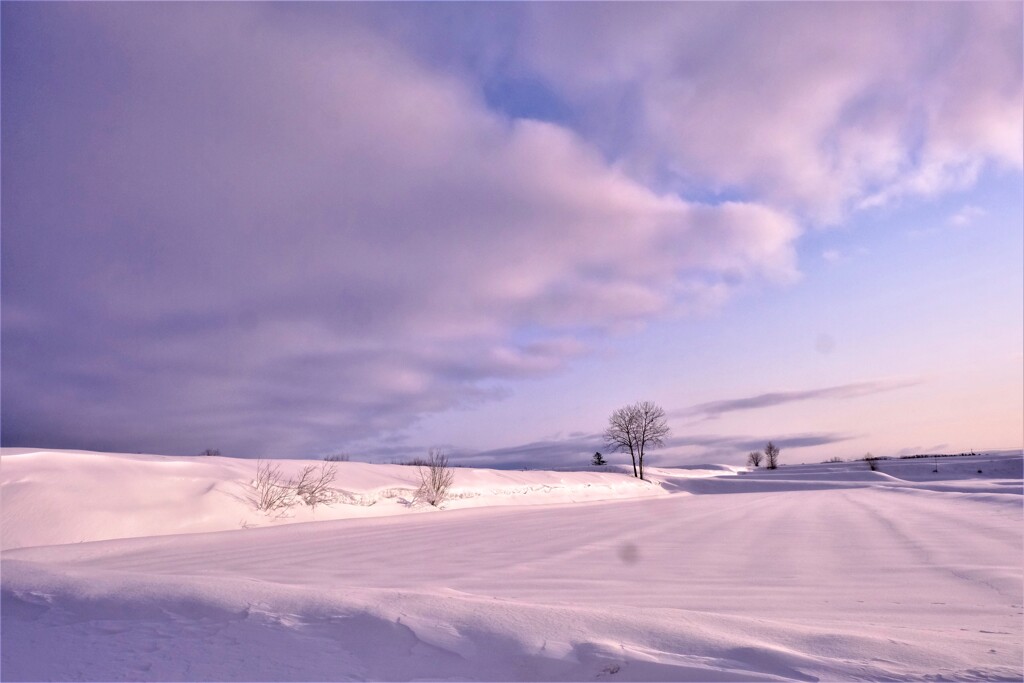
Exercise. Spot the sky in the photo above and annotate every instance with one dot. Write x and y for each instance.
(301, 229)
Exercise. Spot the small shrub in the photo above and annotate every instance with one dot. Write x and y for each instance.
(436, 479)
(754, 458)
(211, 451)
(412, 462)
(834, 459)
(270, 491)
(313, 485)
(598, 460)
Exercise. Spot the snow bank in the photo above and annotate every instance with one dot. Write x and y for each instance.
(54, 497)
(871, 577)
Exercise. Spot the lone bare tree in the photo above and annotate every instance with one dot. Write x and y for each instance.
(771, 454)
(754, 458)
(436, 478)
(635, 428)
(872, 461)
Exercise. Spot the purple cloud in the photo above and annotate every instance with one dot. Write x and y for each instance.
(577, 450)
(843, 391)
(276, 229)
(224, 229)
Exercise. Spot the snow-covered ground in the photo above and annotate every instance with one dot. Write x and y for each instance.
(55, 497)
(118, 567)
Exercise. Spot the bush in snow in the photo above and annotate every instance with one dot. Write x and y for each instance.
(272, 492)
(313, 486)
(436, 479)
(754, 458)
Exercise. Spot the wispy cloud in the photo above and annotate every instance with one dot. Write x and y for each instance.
(734, 448)
(678, 450)
(835, 255)
(966, 216)
(844, 391)
(574, 450)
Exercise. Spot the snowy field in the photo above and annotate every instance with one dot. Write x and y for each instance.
(118, 567)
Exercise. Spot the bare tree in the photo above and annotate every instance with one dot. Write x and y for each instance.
(313, 484)
(771, 454)
(270, 491)
(754, 458)
(621, 433)
(598, 459)
(635, 428)
(436, 479)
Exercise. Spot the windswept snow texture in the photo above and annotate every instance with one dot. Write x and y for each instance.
(817, 572)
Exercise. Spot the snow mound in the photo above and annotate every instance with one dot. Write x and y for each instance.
(803, 574)
(54, 497)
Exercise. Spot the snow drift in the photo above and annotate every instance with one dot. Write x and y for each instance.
(817, 572)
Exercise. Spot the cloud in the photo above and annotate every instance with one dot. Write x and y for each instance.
(843, 391)
(966, 216)
(576, 450)
(278, 229)
(915, 450)
(678, 450)
(228, 227)
(734, 448)
(822, 109)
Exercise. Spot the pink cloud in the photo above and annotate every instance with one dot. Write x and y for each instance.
(325, 237)
(819, 108)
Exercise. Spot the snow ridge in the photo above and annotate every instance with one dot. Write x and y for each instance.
(807, 573)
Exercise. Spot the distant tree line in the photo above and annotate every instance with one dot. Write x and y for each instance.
(940, 455)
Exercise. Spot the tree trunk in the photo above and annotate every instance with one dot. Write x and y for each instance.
(632, 455)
